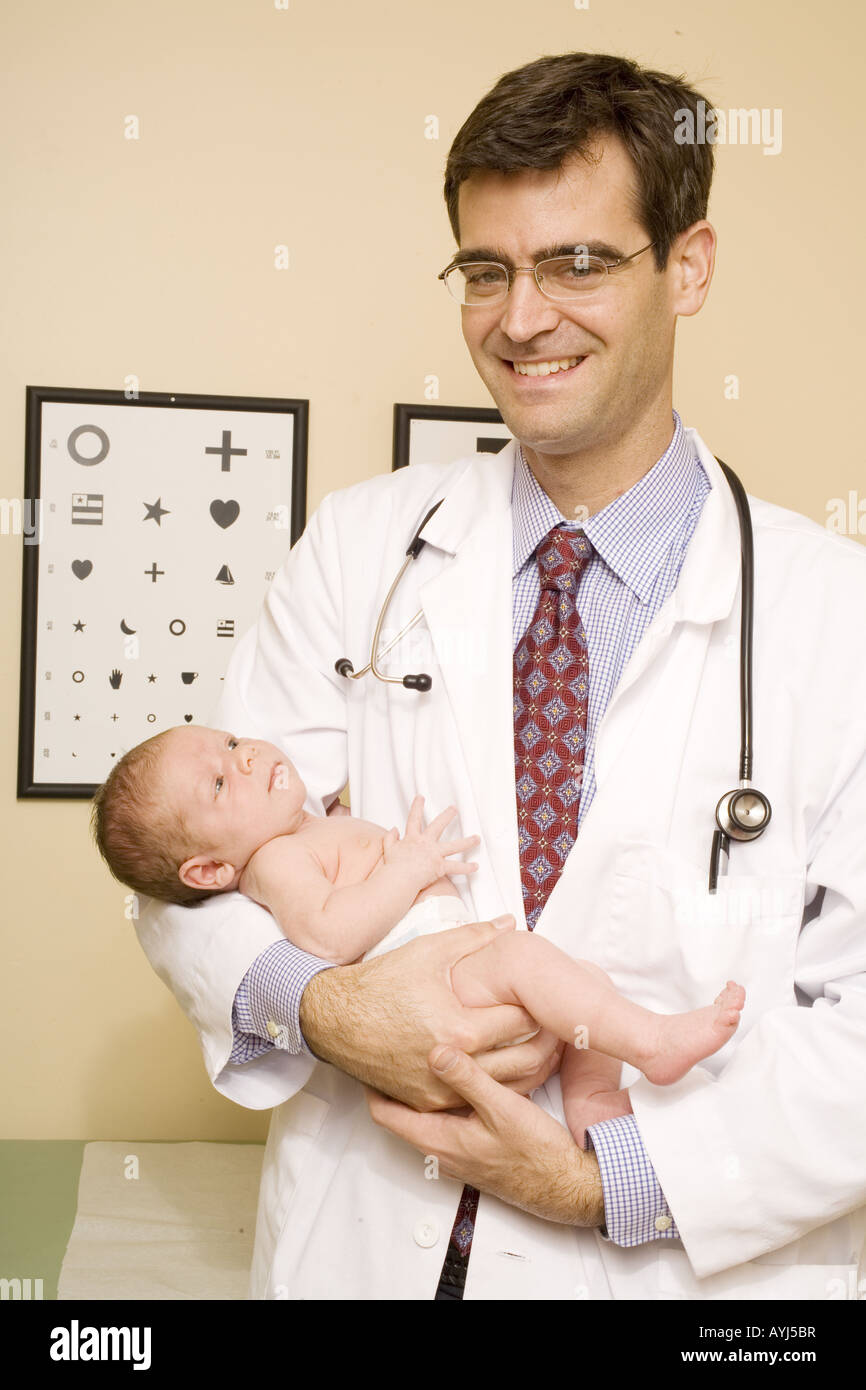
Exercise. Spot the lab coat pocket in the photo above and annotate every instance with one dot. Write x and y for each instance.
(679, 943)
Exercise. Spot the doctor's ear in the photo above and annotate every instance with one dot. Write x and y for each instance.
(690, 266)
(203, 872)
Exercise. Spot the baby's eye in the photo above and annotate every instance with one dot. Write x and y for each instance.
(232, 743)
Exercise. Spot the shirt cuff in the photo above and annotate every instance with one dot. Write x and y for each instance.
(267, 1005)
(635, 1210)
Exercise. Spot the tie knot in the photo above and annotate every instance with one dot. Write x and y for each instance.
(561, 556)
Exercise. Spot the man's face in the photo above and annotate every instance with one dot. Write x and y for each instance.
(622, 333)
(234, 794)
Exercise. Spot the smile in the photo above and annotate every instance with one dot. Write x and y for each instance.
(547, 368)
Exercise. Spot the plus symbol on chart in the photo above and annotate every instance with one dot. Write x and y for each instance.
(225, 451)
(153, 572)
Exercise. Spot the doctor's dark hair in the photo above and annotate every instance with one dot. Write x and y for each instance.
(143, 841)
(539, 115)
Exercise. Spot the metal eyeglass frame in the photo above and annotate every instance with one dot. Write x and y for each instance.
(532, 270)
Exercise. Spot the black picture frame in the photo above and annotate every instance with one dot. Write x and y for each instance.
(179, 418)
(405, 451)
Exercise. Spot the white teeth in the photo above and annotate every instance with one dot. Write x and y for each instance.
(545, 368)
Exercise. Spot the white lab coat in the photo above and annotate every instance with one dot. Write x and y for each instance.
(761, 1150)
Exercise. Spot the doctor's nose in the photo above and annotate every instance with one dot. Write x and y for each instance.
(527, 312)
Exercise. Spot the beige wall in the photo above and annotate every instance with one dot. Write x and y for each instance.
(155, 257)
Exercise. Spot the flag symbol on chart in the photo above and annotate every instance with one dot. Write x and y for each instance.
(226, 627)
(87, 508)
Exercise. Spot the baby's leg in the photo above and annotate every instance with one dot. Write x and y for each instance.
(590, 1090)
(577, 1001)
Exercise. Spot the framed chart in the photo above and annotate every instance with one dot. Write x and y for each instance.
(159, 523)
(440, 433)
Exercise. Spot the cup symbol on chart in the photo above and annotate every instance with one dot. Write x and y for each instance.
(188, 677)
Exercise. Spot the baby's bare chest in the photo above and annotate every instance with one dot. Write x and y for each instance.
(348, 849)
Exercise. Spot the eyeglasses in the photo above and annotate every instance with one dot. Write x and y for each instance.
(477, 284)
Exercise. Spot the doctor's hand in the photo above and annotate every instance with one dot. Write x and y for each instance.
(505, 1145)
(379, 1019)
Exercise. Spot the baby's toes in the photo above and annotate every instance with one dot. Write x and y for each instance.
(733, 996)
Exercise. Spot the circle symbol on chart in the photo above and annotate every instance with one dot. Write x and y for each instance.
(124, 628)
(151, 719)
(78, 677)
(177, 627)
(72, 445)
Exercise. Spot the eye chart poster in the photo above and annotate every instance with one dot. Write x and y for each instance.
(441, 433)
(156, 527)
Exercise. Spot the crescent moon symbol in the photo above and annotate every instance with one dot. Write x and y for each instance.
(124, 628)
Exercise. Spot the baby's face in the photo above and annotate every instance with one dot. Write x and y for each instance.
(234, 793)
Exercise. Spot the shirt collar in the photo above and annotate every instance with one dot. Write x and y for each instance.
(634, 532)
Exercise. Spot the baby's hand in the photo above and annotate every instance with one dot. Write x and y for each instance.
(419, 852)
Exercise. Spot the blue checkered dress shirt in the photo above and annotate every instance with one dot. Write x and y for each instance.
(640, 541)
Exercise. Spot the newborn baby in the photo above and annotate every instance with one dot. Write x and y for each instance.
(195, 811)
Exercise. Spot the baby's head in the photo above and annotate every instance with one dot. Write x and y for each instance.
(180, 815)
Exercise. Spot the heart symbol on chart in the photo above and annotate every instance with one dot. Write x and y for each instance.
(224, 513)
(188, 718)
(81, 568)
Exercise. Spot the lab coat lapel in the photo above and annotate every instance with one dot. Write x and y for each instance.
(656, 694)
(468, 609)
(705, 594)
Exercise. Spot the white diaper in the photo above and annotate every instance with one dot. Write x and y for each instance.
(439, 913)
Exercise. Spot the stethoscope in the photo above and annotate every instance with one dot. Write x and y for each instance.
(741, 814)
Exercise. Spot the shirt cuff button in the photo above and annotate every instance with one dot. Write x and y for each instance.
(663, 1223)
(273, 1028)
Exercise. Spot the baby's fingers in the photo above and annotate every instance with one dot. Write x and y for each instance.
(444, 818)
(415, 819)
(458, 846)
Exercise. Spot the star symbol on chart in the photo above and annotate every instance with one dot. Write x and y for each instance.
(155, 511)
(151, 679)
(78, 627)
(76, 716)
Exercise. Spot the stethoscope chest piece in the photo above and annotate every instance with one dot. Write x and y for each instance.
(743, 814)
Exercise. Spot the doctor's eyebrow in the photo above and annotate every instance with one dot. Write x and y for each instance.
(544, 253)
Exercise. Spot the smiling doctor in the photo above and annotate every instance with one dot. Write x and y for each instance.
(581, 226)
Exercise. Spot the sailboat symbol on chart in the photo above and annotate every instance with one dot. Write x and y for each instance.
(225, 576)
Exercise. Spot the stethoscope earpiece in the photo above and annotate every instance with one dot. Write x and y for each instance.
(422, 682)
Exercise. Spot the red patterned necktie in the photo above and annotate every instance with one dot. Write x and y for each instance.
(551, 688)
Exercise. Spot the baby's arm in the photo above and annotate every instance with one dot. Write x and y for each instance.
(340, 924)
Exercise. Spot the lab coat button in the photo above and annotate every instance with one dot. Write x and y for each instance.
(663, 1223)
(426, 1233)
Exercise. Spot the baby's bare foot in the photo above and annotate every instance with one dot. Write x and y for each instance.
(685, 1039)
